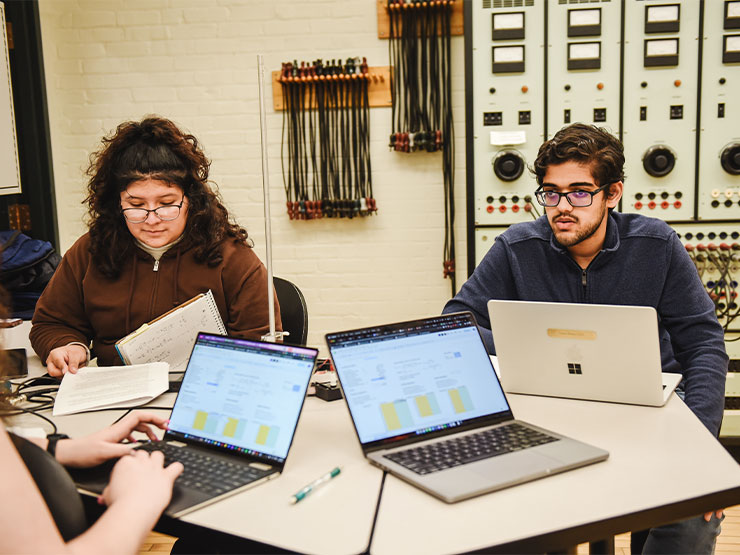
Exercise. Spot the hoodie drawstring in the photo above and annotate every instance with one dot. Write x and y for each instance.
(130, 293)
(176, 300)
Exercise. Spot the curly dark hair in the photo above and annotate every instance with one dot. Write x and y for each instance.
(154, 148)
(585, 144)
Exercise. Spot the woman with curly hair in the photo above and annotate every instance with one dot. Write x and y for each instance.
(158, 235)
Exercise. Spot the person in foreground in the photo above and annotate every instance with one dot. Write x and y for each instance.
(583, 251)
(139, 490)
(158, 235)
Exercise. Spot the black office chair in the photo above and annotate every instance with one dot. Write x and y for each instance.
(293, 311)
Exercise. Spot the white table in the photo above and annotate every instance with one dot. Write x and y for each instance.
(324, 439)
(663, 466)
(336, 518)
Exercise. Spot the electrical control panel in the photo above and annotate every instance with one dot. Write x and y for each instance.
(583, 61)
(662, 75)
(715, 250)
(484, 238)
(660, 88)
(506, 120)
(718, 192)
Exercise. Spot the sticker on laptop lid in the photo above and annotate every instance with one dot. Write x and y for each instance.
(571, 334)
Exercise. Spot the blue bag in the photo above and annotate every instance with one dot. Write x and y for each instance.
(26, 266)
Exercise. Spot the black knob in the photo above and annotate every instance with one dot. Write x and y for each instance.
(730, 159)
(659, 160)
(508, 165)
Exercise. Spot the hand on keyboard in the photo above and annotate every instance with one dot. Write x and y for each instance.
(142, 478)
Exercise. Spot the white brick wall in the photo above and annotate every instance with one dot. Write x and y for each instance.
(194, 61)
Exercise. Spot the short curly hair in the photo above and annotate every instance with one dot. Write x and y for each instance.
(153, 148)
(584, 144)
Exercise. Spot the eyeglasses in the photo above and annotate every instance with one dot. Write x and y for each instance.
(577, 199)
(165, 213)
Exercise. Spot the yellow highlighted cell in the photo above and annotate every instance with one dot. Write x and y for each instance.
(422, 403)
(230, 427)
(262, 434)
(390, 416)
(457, 401)
(200, 420)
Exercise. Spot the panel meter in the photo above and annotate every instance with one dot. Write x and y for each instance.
(506, 124)
(661, 59)
(583, 61)
(718, 194)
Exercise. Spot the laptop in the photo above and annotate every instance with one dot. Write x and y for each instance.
(580, 351)
(428, 408)
(237, 408)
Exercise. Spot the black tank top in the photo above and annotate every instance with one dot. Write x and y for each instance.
(56, 487)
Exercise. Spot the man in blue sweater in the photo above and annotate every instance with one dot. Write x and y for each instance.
(581, 251)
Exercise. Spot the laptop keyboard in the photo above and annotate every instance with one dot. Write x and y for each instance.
(469, 448)
(204, 472)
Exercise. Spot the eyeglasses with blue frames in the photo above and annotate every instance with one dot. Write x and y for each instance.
(577, 199)
(165, 213)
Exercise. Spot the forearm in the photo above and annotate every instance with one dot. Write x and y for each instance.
(122, 528)
(697, 338)
(45, 337)
(60, 317)
(705, 389)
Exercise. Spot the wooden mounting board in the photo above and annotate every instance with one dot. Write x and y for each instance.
(379, 92)
(384, 20)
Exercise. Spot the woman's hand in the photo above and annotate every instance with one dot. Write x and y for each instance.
(106, 444)
(141, 480)
(66, 359)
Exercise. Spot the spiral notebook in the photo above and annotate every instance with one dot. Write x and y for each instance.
(170, 337)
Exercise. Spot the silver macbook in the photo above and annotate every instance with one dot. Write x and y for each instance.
(580, 351)
(427, 407)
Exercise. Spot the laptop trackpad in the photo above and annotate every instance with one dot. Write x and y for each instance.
(517, 465)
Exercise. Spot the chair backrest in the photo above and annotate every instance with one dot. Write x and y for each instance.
(293, 311)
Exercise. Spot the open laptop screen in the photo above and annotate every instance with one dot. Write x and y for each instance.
(416, 377)
(242, 395)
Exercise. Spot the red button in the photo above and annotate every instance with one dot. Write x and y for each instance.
(489, 208)
(515, 208)
(677, 204)
(651, 205)
(502, 208)
(638, 205)
(664, 204)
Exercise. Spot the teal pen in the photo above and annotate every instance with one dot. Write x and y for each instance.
(315, 484)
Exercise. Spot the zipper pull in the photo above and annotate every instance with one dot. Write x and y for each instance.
(156, 266)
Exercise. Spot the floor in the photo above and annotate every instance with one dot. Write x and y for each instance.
(727, 543)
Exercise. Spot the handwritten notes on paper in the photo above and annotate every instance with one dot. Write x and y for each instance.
(170, 337)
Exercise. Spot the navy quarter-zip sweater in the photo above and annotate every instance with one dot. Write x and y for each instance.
(641, 263)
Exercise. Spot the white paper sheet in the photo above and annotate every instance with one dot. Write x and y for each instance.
(110, 386)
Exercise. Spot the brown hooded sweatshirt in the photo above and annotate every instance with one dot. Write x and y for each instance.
(81, 304)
